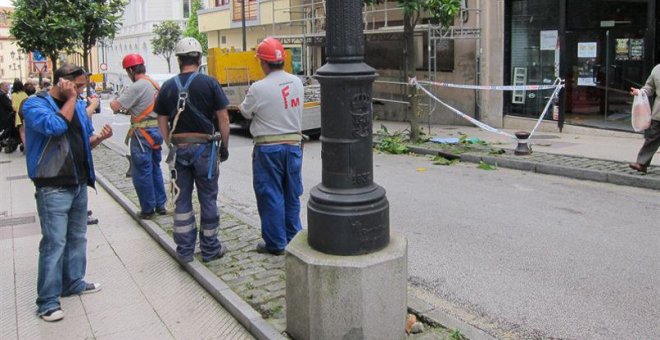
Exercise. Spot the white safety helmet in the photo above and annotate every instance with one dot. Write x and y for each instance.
(187, 45)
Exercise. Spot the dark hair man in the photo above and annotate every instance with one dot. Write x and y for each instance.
(138, 101)
(59, 138)
(191, 107)
(275, 106)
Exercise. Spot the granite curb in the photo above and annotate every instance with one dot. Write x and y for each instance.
(620, 175)
(234, 304)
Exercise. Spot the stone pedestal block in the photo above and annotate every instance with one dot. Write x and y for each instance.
(346, 297)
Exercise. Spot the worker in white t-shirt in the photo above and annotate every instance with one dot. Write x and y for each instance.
(275, 105)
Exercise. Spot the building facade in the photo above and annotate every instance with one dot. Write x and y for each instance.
(13, 61)
(135, 37)
(600, 48)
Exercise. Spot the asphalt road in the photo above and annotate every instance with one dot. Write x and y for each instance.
(519, 254)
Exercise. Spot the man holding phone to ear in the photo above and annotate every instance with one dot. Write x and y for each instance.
(59, 138)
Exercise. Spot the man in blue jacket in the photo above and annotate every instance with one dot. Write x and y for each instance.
(59, 138)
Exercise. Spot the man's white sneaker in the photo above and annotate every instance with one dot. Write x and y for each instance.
(91, 288)
(55, 314)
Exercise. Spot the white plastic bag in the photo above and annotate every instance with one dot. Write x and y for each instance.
(641, 112)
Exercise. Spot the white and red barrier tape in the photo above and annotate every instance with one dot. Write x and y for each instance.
(557, 86)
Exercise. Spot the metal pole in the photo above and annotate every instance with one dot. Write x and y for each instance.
(607, 73)
(348, 214)
(243, 25)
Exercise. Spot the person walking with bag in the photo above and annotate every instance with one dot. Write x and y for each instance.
(191, 108)
(652, 134)
(59, 139)
(275, 106)
(138, 101)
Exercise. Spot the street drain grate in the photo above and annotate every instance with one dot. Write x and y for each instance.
(13, 178)
(5, 162)
(9, 221)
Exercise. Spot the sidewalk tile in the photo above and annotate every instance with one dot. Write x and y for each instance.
(134, 317)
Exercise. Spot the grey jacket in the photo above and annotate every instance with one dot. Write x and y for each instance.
(652, 87)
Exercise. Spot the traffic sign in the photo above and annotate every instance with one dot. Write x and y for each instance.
(37, 56)
(103, 67)
(40, 66)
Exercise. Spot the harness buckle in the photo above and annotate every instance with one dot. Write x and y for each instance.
(183, 98)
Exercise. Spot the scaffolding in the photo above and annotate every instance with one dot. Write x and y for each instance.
(384, 22)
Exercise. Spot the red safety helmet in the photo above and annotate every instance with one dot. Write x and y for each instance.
(131, 60)
(271, 50)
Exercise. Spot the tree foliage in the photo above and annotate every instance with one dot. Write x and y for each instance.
(440, 12)
(45, 26)
(192, 30)
(95, 20)
(72, 26)
(167, 34)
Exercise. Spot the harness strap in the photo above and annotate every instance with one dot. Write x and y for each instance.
(188, 104)
(150, 108)
(137, 123)
(287, 138)
(145, 124)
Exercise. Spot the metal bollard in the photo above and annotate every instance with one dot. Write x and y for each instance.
(523, 147)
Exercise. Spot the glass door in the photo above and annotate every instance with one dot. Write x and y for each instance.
(606, 55)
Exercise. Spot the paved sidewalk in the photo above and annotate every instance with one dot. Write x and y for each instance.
(589, 157)
(145, 293)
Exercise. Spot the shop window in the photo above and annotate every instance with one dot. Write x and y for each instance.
(187, 5)
(220, 3)
(534, 27)
(385, 55)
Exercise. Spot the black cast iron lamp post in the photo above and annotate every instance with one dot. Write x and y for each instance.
(348, 214)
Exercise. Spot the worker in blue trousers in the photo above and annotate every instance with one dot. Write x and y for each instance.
(138, 101)
(275, 106)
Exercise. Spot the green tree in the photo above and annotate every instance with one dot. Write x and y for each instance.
(95, 20)
(440, 12)
(45, 26)
(192, 30)
(167, 35)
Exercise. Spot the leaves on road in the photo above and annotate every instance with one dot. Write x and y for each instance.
(486, 166)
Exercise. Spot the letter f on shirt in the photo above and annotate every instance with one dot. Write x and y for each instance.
(285, 95)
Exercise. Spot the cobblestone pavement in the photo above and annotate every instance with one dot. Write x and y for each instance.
(553, 164)
(257, 278)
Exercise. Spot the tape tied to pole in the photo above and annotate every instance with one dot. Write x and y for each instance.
(556, 86)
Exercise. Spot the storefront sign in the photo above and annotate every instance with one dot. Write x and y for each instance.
(622, 49)
(586, 61)
(636, 49)
(549, 40)
(587, 49)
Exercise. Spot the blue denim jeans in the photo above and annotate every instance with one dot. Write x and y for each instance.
(193, 162)
(278, 185)
(145, 172)
(63, 246)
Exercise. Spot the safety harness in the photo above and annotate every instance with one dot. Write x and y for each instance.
(138, 123)
(189, 137)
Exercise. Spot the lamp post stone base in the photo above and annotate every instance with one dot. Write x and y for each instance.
(346, 297)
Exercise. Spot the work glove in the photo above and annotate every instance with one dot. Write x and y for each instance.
(224, 153)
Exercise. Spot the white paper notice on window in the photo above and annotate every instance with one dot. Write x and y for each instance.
(587, 49)
(549, 40)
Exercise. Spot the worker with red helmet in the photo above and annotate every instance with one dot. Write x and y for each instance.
(143, 137)
(275, 105)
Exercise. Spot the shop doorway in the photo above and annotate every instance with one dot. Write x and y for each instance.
(609, 50)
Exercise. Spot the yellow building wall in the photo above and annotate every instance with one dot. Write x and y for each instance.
(218, 20)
